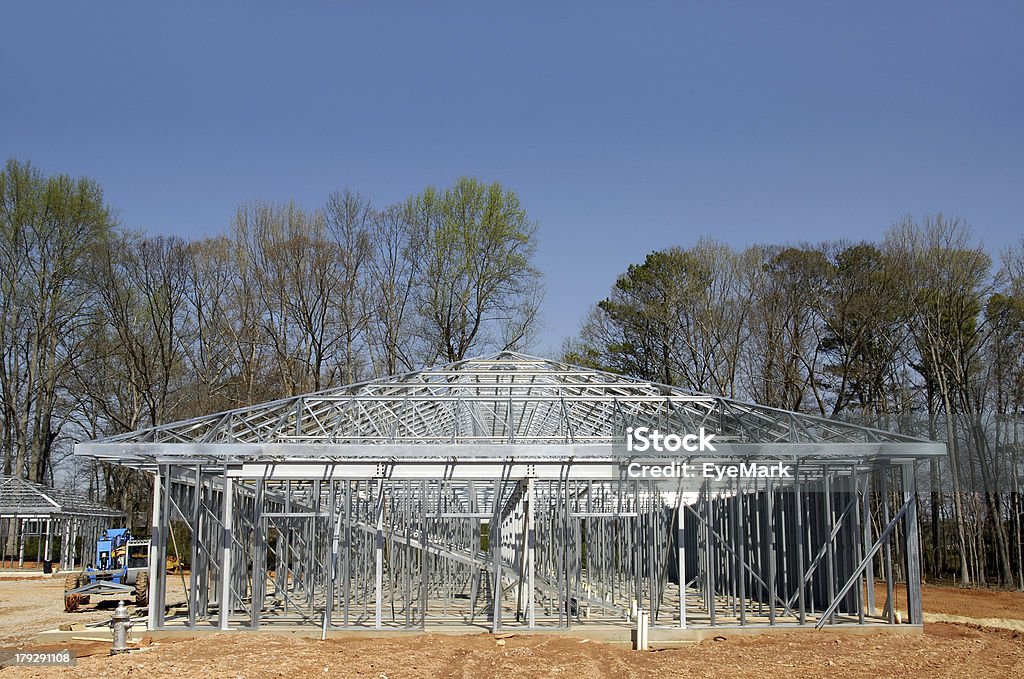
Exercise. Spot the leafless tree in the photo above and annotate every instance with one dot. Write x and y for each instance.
(49, 228)
(392, 275)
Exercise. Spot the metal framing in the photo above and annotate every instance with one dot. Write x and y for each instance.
(497, 492)
(63, 525)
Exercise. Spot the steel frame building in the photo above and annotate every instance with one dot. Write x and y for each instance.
(498, 492)
(29, 509)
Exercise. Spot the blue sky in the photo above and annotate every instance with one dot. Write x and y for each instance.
(623, 127)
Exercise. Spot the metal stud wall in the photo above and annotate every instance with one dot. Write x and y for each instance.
(62, 527)
(497, 493)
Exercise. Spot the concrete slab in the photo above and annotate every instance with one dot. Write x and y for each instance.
(659, 637)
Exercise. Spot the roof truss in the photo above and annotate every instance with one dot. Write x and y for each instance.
(503, 400)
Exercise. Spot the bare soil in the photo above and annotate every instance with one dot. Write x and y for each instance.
(971, 603)
(945, 650)
(30, 605)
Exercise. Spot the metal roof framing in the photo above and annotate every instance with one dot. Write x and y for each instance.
(496, 492)
(25, 499)
(506, 406)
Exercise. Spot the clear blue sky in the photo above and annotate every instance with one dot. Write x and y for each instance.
(624, 128)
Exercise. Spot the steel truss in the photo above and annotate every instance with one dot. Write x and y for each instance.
(496, 492)
(64, 525)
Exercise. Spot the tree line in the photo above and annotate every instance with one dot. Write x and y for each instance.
(106, 329)
(920, 333)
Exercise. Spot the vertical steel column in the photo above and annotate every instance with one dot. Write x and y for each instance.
(531, 541)
(65, 545)
(637, 534)
(887, 552)
(259, 557)
(38, 523)
(769, 521)
(494, 544)
(741, 550)
(650, 539)
(156, 613)
(681, 558)
(159, 587)
(197, 557)
(330, 591)
(709, 546)
(378, 586)
(858, 552)
(912, 546)
(208, 547)
(225, 564)
(310, 572)
(424, 553)
(869, 567)
(6, 531)
(76, 529)
(347, 584)
(830, 547)
(801, 536)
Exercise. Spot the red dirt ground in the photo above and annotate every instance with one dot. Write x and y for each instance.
(944, 650)
(972, 603)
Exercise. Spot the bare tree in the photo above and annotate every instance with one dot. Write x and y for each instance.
(131, 370)
(944, 279)
(292, 268)
(217, 355)
(1006, 312)
(785, 367)
(390, 295)
(49, 227)
(350, 223)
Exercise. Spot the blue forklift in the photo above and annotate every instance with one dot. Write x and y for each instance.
(120, 569)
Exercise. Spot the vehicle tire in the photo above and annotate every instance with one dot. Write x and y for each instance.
(83, 580)
(142, 589)
(71, 601)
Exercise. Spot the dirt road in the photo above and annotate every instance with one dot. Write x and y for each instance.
(29, 606)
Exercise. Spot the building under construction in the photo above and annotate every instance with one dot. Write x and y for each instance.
(42, 527)
(500, 492)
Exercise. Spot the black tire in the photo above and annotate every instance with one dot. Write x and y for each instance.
(142, 589)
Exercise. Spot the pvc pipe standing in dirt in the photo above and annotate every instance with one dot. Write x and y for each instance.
(641, 630)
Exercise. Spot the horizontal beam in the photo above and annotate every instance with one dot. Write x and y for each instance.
(526, 453)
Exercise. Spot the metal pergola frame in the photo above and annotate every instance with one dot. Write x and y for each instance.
(495, 492)
(29, 509)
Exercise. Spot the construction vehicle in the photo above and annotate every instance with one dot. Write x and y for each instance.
(174, 565)
(121, 569)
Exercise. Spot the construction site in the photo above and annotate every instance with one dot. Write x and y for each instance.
(500, 494)
(47, 528)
